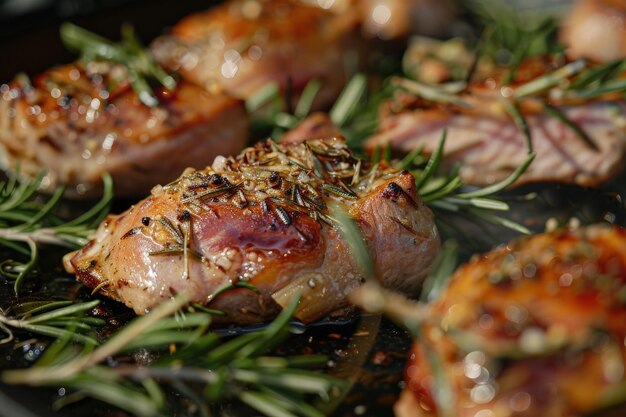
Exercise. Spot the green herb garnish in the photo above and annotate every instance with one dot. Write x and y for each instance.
(26, 223)
(129, 52)
(192, 362)
(57, 319)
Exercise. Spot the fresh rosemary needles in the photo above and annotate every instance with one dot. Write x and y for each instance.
(198, 366)
(26, 223)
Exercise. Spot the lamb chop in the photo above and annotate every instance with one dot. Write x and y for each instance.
(259, 225)
(80, 120)
(533, 328)
(578, 134)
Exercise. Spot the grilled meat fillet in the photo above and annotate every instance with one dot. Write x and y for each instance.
(262, 219)
(534, 328)
(492, 147)
(576, 141)
(81, 120)
(241, 46)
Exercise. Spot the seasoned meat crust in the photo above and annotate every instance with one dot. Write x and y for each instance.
(81, 120)
(534, 328)
(262, 219)
(241, 46)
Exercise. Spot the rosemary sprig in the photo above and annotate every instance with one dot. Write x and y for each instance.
(348, 100)
(437, 94)
(54, 319)
(306, 99)
(128, 52)
(267, 108)
(26, 223)
(549, 80)
(520, 121)
(446, 194)
(555, 112)
(199, 368)
(611, 86)
(352, 235)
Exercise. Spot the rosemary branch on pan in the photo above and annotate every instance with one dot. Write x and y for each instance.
(27, 222)
(57, 319)
(129, 52)
(191, 361)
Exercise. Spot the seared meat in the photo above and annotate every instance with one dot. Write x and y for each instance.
(596, 29)
(261, 219)
(397, 19)
(490, 145)
(390, 19)
(78, 121)
(242, 46)
(535, 328)
(317, 125)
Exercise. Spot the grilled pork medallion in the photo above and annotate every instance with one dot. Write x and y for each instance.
(578, 137)
(535, 328)
(241, 46)
(81, 120)
(261, 219)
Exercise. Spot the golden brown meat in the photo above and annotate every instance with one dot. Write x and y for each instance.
(596, 29)
(241, 46)
(81, 120)
(262, 219)
(534, 328)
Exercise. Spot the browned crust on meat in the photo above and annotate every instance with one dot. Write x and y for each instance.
(262, 219)
(80, 120)
(542, 318)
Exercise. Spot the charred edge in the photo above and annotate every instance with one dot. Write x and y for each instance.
(393, 192)
(217, 180)
(274, 179)
(145, 221)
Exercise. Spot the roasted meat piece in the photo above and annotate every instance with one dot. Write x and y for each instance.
(81, 120)
(534, 328)
(241, 46)
(262, 219)
(389, 19)
(576, 140)
(595, 29)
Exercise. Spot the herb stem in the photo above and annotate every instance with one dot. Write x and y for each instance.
(549, 80)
